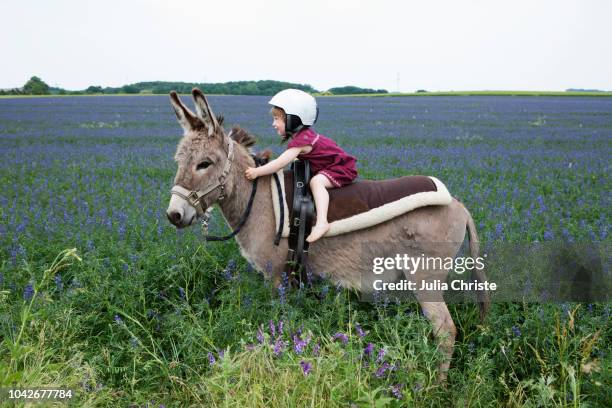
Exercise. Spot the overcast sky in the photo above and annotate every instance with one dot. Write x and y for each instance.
(426, 44)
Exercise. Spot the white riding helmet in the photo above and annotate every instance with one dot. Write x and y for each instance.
(297, 103)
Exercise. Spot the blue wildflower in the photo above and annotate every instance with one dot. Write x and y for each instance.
(381, 355)
(272, 328)
(28, 292)
(228, 272)
(280, 327)
(260, 335)
(367, 351)
(58, 282)
(278, 347)
(548, 235)
(118, 319)
(316, 349)
(516, 331)
(360, 331)
(396, 390)
(211, 359)
(380, 372)
(306, 367)
(342, 337)
(300, 344)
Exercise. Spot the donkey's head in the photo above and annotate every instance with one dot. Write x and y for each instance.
(204, 157)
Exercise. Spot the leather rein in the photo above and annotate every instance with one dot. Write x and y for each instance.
(195, 198)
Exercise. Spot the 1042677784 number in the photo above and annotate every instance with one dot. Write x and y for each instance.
(35, 393)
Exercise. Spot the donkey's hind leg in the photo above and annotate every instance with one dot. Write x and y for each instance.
(444, 330)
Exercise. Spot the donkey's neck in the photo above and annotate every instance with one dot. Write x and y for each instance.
(260, 223)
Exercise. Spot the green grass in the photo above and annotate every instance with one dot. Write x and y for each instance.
(138, 306)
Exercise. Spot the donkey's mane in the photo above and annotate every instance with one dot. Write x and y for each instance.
(242, 136)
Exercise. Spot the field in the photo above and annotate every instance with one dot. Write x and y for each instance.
(140, 314)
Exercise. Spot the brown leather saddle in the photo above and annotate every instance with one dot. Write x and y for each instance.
(364, 195)
(356, 198)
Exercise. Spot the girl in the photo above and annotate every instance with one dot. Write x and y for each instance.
(293, 113)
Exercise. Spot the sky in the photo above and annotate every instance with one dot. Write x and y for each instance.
(437, 45)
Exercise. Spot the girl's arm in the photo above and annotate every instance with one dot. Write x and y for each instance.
(275, 165)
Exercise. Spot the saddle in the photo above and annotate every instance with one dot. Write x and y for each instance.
(362, 204)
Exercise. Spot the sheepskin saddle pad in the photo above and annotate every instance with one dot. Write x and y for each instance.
(365, 203)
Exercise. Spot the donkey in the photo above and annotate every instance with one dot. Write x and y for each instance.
(211, 166)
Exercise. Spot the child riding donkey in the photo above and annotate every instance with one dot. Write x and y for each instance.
(293, 113)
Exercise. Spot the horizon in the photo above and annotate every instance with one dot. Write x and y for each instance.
(439, 46)
(569, 89)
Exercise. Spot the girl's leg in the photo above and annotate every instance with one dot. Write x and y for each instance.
(319, 185)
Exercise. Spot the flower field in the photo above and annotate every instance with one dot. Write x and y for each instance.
(100, 294)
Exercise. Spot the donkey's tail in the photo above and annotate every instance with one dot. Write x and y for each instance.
(478, 274)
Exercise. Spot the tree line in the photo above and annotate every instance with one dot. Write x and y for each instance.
(36, 86)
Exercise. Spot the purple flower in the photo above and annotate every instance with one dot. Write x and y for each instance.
(28, 292)
(396, 390)
(260, 335)
(367, 351)
(118, 319)
(381, 370)
(342, 337)
(272, 328)
(229, 269)
(381, 355)
(278, 347)
(548, 235)
(211, 359)
(316, 349)
(306, 367)
(516, 331)
(280, 327)
(58, 282)
(360, 331)
(281, 293)
(299, 344)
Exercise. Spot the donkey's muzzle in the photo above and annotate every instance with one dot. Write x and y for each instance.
(175, 217)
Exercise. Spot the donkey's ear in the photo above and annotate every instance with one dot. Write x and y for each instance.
(205, 114)
(185, 117)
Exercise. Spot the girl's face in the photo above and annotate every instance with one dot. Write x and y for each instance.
(279, 124)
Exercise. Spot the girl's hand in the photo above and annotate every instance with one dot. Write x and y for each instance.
(251, 173)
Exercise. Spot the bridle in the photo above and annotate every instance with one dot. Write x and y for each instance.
(195, 198)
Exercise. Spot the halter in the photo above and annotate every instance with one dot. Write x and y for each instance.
(194, 197)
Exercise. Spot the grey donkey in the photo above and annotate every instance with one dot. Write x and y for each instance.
(211, 166)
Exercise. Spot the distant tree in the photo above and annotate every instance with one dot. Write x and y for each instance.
(94, 89)
(421, 91)
(351, 90)
(36, 86)
(130, 89)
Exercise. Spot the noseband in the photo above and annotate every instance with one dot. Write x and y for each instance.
(195, 197)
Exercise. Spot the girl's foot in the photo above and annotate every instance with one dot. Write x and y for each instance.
(317, 232)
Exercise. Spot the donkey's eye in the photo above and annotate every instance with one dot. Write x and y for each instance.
(203, 165)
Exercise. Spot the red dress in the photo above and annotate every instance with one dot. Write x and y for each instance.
(326, 157)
